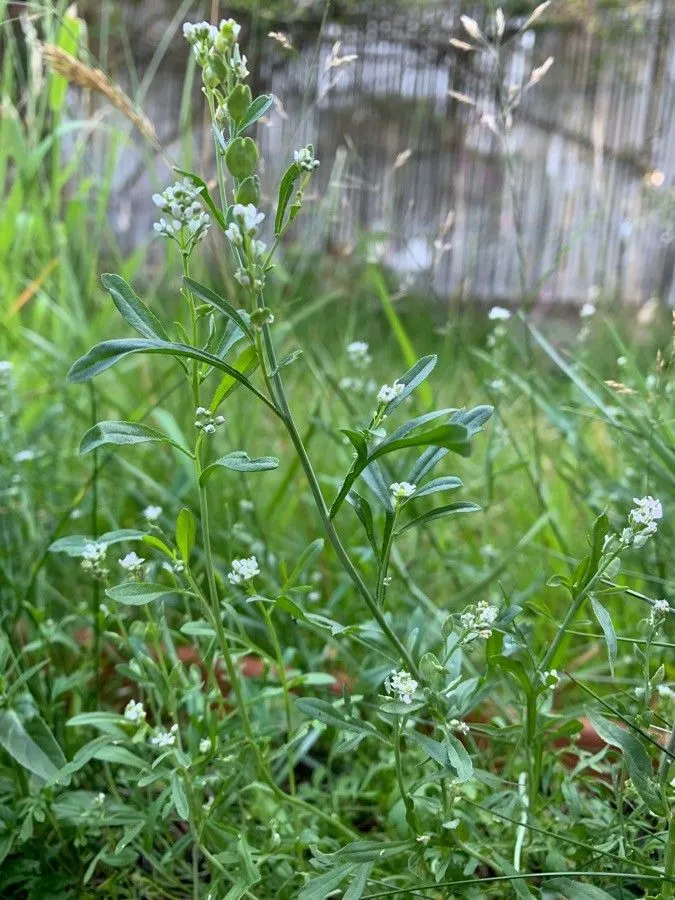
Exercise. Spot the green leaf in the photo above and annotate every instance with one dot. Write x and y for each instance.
(249, 191)
(436, 485)
(38, 730)
(74, 544)
(637, 760)
(246, 362)
(291, 175)
(223, 306)
(452, 437)
(109, 353)
(605, 621)
(471, 419)
(203, 194)
(331, 715)
(323, 885)
(186, 532)
(359, 882)
(132, 308)
(365, 516)
(179, 797)
(257, 109)
(577, 890)
(460, 506)
(67, 39)
(16, 742)
(240, 461)
(451, 754)
(121, 433)
(138, 593)
(412, 379)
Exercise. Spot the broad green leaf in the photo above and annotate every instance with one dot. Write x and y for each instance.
(607, 626)
(138, 593)
(186, 532)
(328, 714)
(637, 760)
(109, 353)
(240, 461)
(38, 731)
(359, 883)
(74, 544)
(132, 308)
(223, 306)
(18, 744)
(257, 109)
(460, 506)
(121, 433)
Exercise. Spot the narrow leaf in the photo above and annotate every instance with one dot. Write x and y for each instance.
(135, 593)
(461, 506)
(121, 433)
(240, 461)
(132, 308)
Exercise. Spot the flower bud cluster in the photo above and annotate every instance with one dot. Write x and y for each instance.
(206, 422)
(217, 51)
(403, 685)
(242, 234)
(93, 560)
(478, 620)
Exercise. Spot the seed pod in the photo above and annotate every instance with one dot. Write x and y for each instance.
(241, 157)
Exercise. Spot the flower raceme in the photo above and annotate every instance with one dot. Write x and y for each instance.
(243, 570)
(403, 685)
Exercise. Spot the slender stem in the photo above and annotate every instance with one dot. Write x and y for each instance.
(408, 802)
(283, 680)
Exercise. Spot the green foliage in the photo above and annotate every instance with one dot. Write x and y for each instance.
(212, 683)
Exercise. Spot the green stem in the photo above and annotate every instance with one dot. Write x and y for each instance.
(283, 680)
(410, 816)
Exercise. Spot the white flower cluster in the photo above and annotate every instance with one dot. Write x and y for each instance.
(205, 745)
(660, 610)
(132, 564)
(402, 684)
(165, 738)
(93, 559)
(499, 315)
(388, 393)
(305, 159)
(187, 222)
(207, 422)
(152, 513)
(402, 490)
(642, 521)
(134, 711)
(478, 620)
(459, 726)
(243, 570)
(216, 47)
(358, 354)
(588, 310)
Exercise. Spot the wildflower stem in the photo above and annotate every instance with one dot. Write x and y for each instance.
(329, 528)
(283, 680)
(407, 800)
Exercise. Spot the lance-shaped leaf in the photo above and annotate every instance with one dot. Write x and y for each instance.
(138, 593)
(16, 741)
(240, 461)
(74, 544)
(124, 433)
(257, 108)
(286, 185)
(109, 353)
(412, 379)
(221, 304)
(365, 516)
(461, 506)
(132, 308)
(472, 419)
(436, 485)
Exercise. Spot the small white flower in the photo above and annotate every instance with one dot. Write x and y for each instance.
(164, 738)
(647, 512)
(587, 310)
(459, 726)
(621, 361)
(249, 216)
(243, 570)
(314, 596)
(24, 456)
(660, 609)
(100, 799)
(152, 513)
(402, 684)
(402, 490)
(305, 159)
(478, 620)
(246, 505)
(93, 559)
(205, 745)
(134, 711)
(234, 235)
(132, 564)
(499, 314)
(386, 393)
(551, 679)
(358, 354)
